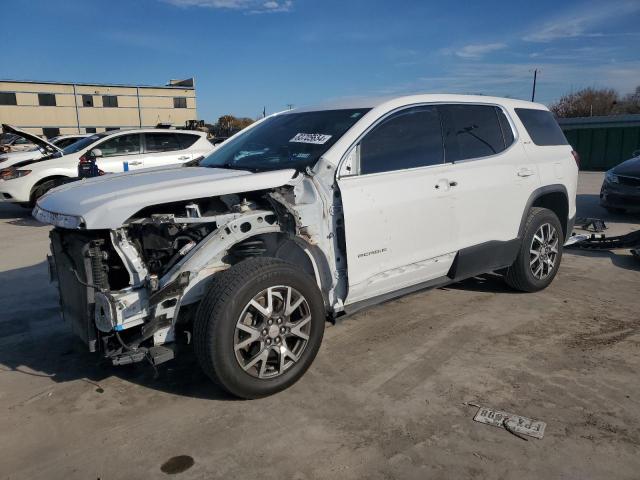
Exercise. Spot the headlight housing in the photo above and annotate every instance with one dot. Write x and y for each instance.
(611, 177)
(58, 219)
(11, 173)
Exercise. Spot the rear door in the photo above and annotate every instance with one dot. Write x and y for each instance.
(397, 207)
(166, 148)
(120, 153)
(493, 177)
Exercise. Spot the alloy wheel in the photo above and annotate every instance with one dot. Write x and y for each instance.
(544, 251)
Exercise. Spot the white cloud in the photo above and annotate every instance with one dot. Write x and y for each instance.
(583, 22)
(478, 50)
(250, 6)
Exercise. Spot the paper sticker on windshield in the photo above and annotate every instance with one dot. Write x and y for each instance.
(315, 138)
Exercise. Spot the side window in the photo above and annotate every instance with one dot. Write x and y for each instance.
(120, 145)
(408, 139)
(542, 127)
(507, 131)
(186, 140)
(161, 142)
(471, 131)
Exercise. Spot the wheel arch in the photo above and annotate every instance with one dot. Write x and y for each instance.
(553, 197)
(44, 180)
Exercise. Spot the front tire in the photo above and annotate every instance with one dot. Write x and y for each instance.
(540, 253)
(259, 327)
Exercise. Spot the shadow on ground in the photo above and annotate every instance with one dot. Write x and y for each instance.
(34, 340)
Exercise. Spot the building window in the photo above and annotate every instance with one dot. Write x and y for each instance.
(110, 129)
(90, 130)
(87, 100)
(179, 102)
(110, 101)
(47, 99)
(8, 98)
(51, 132)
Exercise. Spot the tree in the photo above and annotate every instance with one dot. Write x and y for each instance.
(587, 102)
(228, 125)
(590, 102)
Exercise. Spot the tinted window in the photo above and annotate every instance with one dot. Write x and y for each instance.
(161, 142)
(120, 145)
(87, 100)
(507, 131)
(288, 140)
(109, 101)
(8, 98)
(542, 127)
(47, 99)
(51, 132)
(471, 131)
(65, 142)
(186, 140)
(179, 102)
(408, 139)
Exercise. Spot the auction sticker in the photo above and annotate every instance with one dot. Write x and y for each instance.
(315, 138)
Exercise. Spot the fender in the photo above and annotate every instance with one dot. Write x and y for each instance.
(538, 193)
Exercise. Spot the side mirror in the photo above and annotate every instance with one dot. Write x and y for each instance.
(95, 153)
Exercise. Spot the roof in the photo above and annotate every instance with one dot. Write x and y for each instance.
(601, 121)
(179, 86)
(362, 102)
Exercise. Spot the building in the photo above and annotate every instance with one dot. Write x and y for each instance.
(603, 142)
(54, 108)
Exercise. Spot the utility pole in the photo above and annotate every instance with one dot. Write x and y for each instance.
(290, 106)
(535, 78)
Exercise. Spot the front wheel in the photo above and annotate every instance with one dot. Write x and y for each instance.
(259, 327)
(540, 252)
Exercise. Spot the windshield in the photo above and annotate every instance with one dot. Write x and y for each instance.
(80, 144)
(290, 140)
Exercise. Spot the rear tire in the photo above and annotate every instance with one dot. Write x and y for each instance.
(247, 336)
(540, 253)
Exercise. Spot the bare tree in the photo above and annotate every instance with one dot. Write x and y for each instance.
(587, 102)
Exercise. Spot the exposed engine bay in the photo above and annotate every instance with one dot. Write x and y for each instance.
(140, 284)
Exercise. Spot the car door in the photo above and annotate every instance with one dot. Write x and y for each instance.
(164, 148)
(397, 206)
(120, 153)
(493, 177)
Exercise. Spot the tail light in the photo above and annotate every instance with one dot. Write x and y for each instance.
(576, 157)
(85, 159)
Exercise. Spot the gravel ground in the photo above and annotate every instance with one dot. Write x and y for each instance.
(384, 399)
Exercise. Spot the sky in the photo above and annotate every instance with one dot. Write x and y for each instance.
(247, 55)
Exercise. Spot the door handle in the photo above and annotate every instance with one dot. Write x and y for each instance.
(525, 172)
(135, 163)
(453, 184)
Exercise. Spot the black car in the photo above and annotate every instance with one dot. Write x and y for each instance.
(621, 187)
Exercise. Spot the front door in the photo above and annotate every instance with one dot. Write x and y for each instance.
(120, 153)
(397, 207)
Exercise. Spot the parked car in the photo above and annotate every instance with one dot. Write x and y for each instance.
(621, 187)
(114, 151)
(40, 148)
(304, 216)
(14, 143)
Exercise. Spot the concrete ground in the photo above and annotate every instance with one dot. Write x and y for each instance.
(385, 397)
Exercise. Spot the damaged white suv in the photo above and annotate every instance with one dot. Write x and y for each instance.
(305, 216)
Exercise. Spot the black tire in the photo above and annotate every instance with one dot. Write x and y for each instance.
(41, 189)
(215, 324)
(519, 275)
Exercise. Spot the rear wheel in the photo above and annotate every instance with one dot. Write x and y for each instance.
(540, 252)
(259, 327)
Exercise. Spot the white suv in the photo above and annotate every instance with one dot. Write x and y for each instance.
(113, 151)
(305, 216)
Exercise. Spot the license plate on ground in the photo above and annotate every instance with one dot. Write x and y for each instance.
(516, 423)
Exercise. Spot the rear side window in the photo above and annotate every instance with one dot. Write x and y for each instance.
(161, 142)
(408, 139)
(471, 131)
(186, 140)
(121, 145)
(542, 127)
